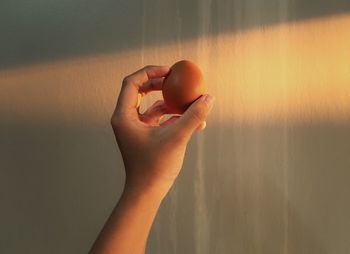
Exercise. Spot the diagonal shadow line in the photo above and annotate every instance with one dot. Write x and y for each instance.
(42, 31)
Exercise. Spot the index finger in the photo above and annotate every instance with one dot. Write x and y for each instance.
(131, 85)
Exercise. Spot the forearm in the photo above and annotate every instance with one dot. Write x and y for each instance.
(127, 229)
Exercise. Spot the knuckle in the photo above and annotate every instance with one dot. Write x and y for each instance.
(129, 81)
(126, 80)
(115, 122)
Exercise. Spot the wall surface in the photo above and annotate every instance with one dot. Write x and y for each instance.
(271, 172)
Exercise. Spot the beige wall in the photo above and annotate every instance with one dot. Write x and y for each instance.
(271, 172)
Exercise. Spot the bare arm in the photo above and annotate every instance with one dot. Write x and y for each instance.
(153, 155)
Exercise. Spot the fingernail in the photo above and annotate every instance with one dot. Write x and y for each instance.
(209, 100)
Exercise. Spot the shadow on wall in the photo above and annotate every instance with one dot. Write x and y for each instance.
(275, 187)
(57, 185)
(242, 203)
(42, 31)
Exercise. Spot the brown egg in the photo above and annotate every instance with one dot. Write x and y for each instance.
(183, 85)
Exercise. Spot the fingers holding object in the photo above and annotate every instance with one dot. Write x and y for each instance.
(142, 81)
(154, 84)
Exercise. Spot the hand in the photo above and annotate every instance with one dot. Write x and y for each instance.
(152, 152)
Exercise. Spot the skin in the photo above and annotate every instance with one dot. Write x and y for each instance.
(153, 154)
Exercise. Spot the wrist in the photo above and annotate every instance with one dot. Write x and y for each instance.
(150, 190)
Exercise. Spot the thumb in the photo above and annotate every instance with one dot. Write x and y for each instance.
(194, 116)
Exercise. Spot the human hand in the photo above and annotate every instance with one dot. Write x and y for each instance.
(153, 152)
